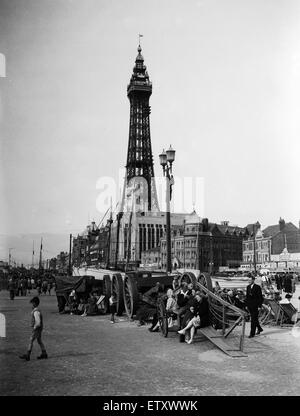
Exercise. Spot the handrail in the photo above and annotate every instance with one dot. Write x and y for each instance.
(222, 301)
(226, 305)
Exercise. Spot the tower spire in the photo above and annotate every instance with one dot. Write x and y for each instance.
(139, 47)
(139, 166)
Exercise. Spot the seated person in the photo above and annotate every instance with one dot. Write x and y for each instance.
(224, 294)
(171, 307)
(239, 300)
(91, 307)
(191, 308)
(200, 318)
(217, 289)
(267, 294)
(81, 306)
(182, 300)
(286, 300)
(290, 311)
(73, 302)
(149, 305)
(230, 296)
(277, 296)
(175, 283)
(188, 316)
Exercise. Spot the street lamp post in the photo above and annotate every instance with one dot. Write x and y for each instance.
(254, 250)
(211, 255)
(166, 160)
(70, 268)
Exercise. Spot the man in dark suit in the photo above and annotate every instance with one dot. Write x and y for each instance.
(254, 300)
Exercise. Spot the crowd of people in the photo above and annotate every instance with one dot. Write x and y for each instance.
(282, 285)
(188, 308)
(286, 282)
(91, 304)
(22, 285)
(185, 307)
(83, 305)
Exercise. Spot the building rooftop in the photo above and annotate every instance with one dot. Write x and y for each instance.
(275, 229)
(230, 229)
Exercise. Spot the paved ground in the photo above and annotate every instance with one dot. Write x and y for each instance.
(90, 356)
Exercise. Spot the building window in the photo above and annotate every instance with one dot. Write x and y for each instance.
(152, 236)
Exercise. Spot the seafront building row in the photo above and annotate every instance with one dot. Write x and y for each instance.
(197, 244)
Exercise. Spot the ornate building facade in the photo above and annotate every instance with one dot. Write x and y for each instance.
(277, 246)
(205, 246)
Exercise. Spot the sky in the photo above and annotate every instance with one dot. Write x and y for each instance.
(226, 95)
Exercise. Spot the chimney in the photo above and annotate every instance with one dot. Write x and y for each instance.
(281, 224)
(225, 223)
(205, 224)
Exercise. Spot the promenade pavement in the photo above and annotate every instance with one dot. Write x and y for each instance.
(91, 356)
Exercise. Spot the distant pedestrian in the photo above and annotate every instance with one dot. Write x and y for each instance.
(112, 308)
(29, 286)
(278, 280)
(288, 284)
(49, 287)
(44, 287)
(19, 287)
(24, 287)
(294, 282)
(39, 286)
(11, 288)
(37, 328)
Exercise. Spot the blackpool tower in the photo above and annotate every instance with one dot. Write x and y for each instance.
(139, 167)
(139, 224)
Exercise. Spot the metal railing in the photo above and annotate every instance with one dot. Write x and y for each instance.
(226, 314)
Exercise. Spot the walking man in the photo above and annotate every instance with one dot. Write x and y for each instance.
(11, 288)
(254, 300)
(37, 328)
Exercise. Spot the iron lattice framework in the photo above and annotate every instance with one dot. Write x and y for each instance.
(139, 155)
